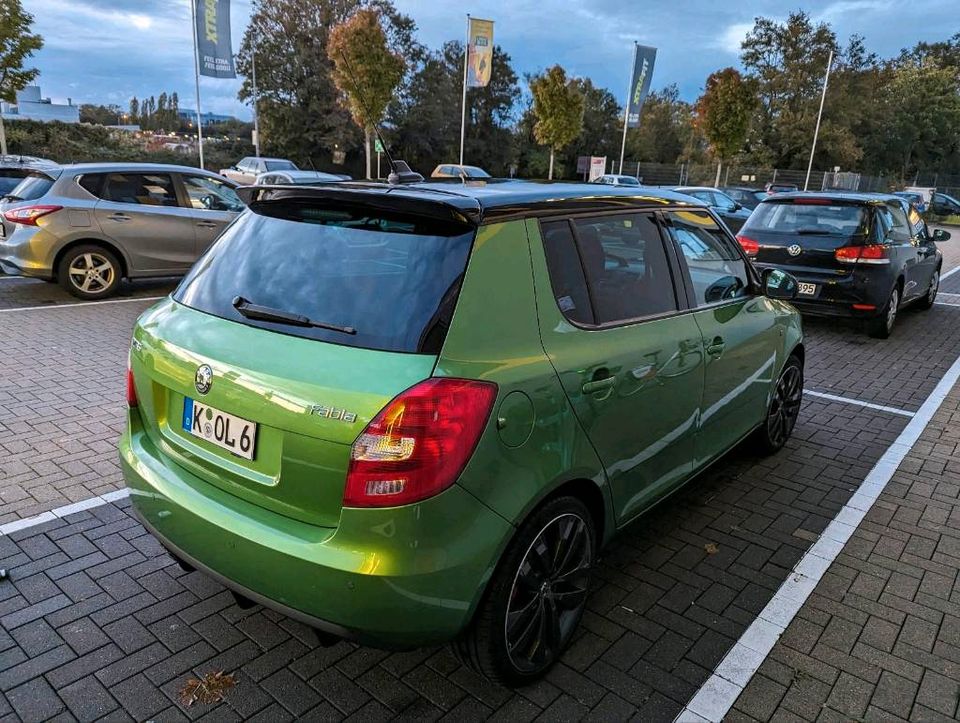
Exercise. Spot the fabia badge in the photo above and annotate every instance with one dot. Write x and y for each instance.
(794, 250)
(203, 379)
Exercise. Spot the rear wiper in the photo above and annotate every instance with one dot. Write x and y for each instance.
(10, 197)
(266, 313)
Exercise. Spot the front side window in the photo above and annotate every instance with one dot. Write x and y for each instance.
(626, 267)
(717, 269)
(210, 194)
(145, 189)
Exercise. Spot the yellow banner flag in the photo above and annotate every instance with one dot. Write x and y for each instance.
(479, 53)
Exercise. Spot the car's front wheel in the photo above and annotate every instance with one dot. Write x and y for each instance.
(536, 597)
(931, 296)
(882, 326)
(784, 408)
(89, 272)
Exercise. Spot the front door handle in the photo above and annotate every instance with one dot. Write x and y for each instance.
(597, 386)
(715, 347)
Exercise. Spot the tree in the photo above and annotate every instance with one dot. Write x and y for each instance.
(666, 130)
(723, 114)
(365, 70)
(602, 124)
(558, 109)
(300, 116)
(17, 44)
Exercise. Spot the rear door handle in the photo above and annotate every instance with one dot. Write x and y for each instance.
(206, 224)
(715, 348)
(599, 385)
(118, 217)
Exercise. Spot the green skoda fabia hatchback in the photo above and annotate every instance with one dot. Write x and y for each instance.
(413, 414)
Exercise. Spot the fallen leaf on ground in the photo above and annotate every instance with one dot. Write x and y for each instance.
(711, 548)
(208, 689)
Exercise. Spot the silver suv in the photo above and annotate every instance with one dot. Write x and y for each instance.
(89, 225)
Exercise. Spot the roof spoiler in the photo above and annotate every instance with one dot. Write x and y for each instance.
(398, 199)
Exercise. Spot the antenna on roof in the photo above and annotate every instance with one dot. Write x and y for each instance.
(400, 172)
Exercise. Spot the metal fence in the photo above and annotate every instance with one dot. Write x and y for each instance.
(699, 174)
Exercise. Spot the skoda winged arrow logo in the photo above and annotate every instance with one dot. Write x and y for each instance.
(203, 379)
(794, 250)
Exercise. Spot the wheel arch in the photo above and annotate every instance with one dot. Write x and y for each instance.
(92, 241)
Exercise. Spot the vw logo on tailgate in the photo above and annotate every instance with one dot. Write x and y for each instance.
(203, 379)
(794, 250)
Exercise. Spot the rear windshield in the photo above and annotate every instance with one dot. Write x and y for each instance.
(10, 178)
(32, 187)
(393, 278)
(842, 219)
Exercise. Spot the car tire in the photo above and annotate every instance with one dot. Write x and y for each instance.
(89, 272)
(784, 408)
(536, 597)
(931, 296)
(882, 326)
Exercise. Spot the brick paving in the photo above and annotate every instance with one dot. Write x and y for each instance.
(98, 621)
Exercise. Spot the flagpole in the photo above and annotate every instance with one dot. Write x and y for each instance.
(626, 106)
(196, 76)
(463, 103)
(816, 132)
(256, 97)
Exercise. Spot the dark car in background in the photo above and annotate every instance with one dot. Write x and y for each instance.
(856, 255)
(917, 199)
(744, 195)
(732, 212)
(944, 205)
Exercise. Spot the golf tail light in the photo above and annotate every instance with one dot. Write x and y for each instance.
(419, 443)
(132, 400)
(869, 254)
(29, 215)
(750, 247)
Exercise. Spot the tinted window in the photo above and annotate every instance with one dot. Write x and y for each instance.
(717, 269)
(724, 201)
(10, 178)
(629, 181)
(893, 223)
(814, 216)
(626, 267)
(145, 189)
(566, 271)
(32, 187)
(209, 194)
(280, 166)
(394, 278)
(93, 183)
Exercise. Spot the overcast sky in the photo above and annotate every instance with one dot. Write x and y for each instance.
(105, 51)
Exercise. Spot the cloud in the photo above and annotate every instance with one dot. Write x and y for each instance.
(731, 37)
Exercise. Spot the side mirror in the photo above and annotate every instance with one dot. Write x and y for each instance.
(779, 284)
(939, 235)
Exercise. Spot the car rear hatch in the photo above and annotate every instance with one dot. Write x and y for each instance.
(32, 185)
(378, 287)
(804, 233)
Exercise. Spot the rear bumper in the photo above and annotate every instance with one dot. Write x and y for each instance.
(27, 251)
(837, 294)
(394, 577)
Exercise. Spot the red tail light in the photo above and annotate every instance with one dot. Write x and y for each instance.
(132, 400)
(419, 443)
(870, 254)
(750, 247)
(29, 215)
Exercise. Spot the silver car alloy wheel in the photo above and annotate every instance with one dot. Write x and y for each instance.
(892, 308)
(91, 273)
(934, 287)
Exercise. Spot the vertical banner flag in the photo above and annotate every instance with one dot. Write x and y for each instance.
(642, 73)
(479, 53)
(213, 38)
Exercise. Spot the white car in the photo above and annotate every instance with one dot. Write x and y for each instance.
(298, 178)
(247, 170)
(613, 179)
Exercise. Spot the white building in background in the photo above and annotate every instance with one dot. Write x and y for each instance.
(31, 106)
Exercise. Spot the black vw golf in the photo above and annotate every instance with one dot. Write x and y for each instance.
(859, 255)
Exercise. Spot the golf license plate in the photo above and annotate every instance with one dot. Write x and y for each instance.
(232, 433)
(805, 289)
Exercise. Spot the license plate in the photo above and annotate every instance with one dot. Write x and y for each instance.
(805, 289)
(234, 434)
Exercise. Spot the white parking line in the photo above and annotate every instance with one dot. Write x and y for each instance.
(82, 303)
(718, 694)
(58, 512)
(848, 400)
(950, 273)
(945, 303)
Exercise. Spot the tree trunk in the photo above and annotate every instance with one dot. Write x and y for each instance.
(716, 183)
(550, 174)
(366, 145)
(3, 138)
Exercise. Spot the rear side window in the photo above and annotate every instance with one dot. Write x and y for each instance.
(145, 189)
(566, 271)
(811, 216)
(93, 183)
(280, 166)
(716, 267)
(393, 278)
(33, 187)
(893, 223)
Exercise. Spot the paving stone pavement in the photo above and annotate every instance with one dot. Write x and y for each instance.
(98, 621)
